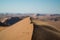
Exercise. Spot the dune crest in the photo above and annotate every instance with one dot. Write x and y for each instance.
(22, 30)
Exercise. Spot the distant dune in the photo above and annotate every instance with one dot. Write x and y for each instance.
(55, 24)
(48, 23)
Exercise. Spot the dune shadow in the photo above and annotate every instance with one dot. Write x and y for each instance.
(43, 32)
(2, 24)
(10, 22)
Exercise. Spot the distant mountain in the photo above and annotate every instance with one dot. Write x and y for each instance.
(40, 14)
(55, 15)
(12, 20)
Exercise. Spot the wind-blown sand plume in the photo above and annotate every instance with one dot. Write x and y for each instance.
(22, 30)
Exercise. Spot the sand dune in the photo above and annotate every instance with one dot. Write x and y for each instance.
(43, 32)
(48, 23)
(55, 24)
(27, 30)
(19, 31)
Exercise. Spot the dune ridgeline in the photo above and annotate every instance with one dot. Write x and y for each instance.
(25, 29)
(22, 30)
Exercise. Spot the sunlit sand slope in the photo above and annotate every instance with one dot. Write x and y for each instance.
(22, 30)
(52, 24)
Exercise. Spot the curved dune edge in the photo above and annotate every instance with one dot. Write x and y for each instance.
(22, 30)
(25, 30)
(42, 32)
(38, 22)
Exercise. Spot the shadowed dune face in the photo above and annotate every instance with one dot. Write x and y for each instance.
(42, 32)
(10, 21)
(2, 24)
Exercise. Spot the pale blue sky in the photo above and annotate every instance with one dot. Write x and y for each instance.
(30, 6)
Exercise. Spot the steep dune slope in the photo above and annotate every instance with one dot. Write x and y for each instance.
(25, 30)
(44, 31)
(19, 31)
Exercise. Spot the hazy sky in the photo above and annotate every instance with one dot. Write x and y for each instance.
(30, 6)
